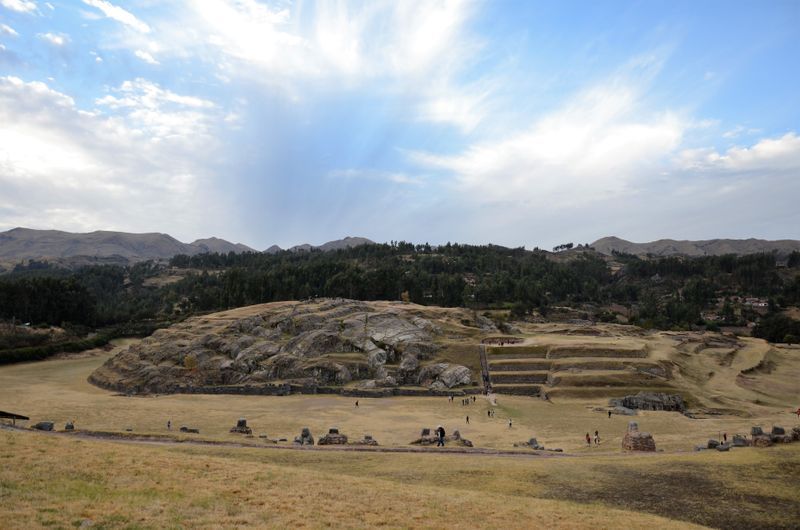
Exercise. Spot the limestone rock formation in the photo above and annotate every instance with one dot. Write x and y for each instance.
(367, 440)
(636, 440)
(282, 347)
(651, 401)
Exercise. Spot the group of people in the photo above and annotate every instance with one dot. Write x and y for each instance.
(596, 438)
(464, 401)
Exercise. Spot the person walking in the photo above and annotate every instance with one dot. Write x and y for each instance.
(588, 439)
(169, 425)
(509, 423)
(440, 435)
(467, 420)
(356, 403)
(596, 437)
(609, 414)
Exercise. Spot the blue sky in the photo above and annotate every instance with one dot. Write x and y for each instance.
(516, 123)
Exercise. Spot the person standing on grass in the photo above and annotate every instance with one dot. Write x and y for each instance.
(356, 403)
(509, 423)
(609, 414)
(596, 437)
(467, 420)
(588, 439)
(169, 425)
(440, 435)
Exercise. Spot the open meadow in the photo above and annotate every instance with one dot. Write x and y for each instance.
(62, 481)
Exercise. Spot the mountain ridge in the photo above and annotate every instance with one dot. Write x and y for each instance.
(707, 247)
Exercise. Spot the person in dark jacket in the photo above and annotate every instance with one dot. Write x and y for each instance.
(440, 434)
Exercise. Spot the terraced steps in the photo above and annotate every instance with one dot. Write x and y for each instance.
(604, 378)
(517, 389)
(521, 376)
(590, 392)
(502, 365)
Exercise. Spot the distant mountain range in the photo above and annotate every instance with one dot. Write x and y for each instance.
(21, 244)
(711, 247)
(337, 244)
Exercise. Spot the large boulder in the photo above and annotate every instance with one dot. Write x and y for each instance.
(762, 440)
(740, 441)
(651, 401)
(44, 426)
(367, 440)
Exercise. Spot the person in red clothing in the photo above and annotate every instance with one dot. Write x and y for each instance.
(588, 439)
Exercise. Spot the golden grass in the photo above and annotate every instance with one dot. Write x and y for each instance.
(57, 390)
(59, 482)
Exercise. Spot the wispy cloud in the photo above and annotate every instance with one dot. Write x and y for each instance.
(56, 39)
(119, 14)
(21, 6)
(8, 30)
(146, 57)
(372, 174)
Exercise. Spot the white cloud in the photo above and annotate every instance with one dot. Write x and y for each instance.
(145, 56)
(596, 145)
(56, 39)
(767, 156)
(143, 165)
(21, 6)
(120, 15)
(8, 30)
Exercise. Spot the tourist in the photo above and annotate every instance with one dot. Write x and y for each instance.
(169, 425)
(596, 437)
(356, 403)
(588, 439)
(467, 420)
(609, 414)
(798, 412)
(724, 437)
(489, 413)
(509, 423)
(440, 436)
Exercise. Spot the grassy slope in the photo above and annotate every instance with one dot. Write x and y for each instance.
(57, 482)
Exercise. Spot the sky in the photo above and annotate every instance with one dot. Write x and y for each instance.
(515, 123)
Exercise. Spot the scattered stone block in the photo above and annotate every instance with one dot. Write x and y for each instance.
(334, 437)
(367, 440)
(44, 426)
(740, 441)
(756, 431)
(762, 440)
(305, 437)
(241, 427)
(635, 440)
(776, 430)
(189, 430)
(69, 426)
(724, 447)
(712, 444)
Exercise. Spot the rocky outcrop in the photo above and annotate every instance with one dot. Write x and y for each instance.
(440, 376)
(321, 342)
(636, 440)
(367, 440)
(651, 401)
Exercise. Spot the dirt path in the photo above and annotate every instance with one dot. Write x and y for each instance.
(167, 441)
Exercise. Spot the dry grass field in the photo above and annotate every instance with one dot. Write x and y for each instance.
(63, 481)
